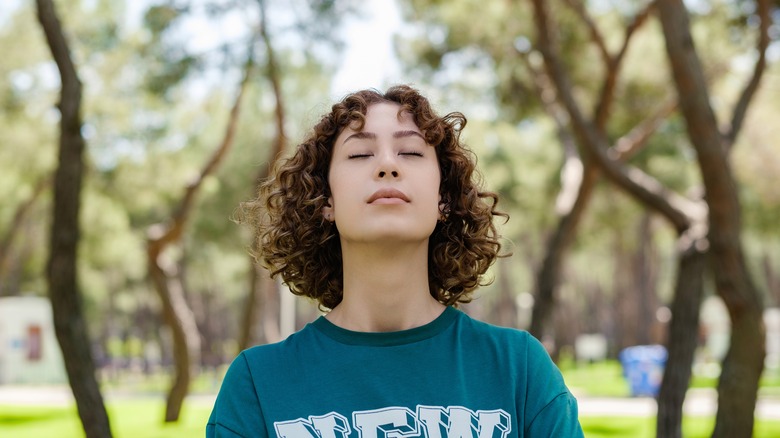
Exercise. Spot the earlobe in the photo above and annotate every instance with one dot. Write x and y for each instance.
(327, 211)
(444, 211)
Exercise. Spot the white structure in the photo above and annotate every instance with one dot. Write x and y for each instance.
(591, 347)
(772, 322)
(29, 353)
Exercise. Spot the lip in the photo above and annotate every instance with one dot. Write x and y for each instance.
(389, 194)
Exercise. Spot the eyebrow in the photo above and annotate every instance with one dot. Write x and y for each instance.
(371, 136)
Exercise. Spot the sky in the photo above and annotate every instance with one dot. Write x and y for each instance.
(369, 60)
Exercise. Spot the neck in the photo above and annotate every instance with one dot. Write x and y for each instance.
(385, 288)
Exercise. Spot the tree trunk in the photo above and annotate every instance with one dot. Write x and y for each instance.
(253, 305)
(13, 228)
(272, 307)
(168, 283)
(744, 362)
(178, 316)
(61, 272)
(625, 295)
(682, 339)
(645, 280)
(258, 286)
(553, 97)
(504, 308)
(549, 274)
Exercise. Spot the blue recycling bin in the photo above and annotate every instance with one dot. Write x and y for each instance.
(643, 367)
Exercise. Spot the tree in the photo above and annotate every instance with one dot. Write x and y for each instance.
(744, 362)
(564, 88)
(22, 210)
(734, 284)
(262, 289)
(69, 323)
(163, 271)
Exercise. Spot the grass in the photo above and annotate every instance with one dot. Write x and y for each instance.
(644, 427)
(141, 418)
(605, 379)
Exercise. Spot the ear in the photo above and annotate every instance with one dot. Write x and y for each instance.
(444, 211)
(328, 211)
(444, 205)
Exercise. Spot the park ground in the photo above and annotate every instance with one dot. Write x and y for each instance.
(136, 408)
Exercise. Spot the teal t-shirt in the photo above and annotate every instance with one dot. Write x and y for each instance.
(453, 377)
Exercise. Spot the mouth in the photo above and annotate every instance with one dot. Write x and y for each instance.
(388, 196)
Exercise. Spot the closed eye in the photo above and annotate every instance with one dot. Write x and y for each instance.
(412, 153)
(351, 156)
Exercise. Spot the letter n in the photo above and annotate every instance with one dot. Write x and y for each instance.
(331, 425)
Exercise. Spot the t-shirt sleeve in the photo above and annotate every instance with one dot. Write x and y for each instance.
(551, 410)
(237, 411)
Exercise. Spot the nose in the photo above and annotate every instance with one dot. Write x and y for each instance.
(393, 173)
(388, 166)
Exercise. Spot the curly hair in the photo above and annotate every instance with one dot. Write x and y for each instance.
(295, 240)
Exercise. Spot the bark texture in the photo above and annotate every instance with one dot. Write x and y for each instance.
(686, 216)
(682, 339)
(69, 323)
(744, 361)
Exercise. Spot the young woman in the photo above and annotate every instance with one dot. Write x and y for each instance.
(378, 216)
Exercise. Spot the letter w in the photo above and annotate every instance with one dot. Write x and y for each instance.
(460, 422)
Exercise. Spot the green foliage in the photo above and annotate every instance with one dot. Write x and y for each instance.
(160, 17)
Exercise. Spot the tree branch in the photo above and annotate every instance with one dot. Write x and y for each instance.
(595, 33)
(161, 235)
(612, 66)
(19, 216)
(280, 140)
(628, 145)
(740, 110)
(641, 186)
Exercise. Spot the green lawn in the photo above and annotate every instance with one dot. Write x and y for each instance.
(140, 418)
(638, 427)
(605, 379)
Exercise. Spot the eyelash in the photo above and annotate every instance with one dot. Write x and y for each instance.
(413, 153)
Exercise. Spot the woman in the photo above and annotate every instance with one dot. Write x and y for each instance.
(378, 216)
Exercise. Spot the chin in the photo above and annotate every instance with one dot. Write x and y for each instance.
(391, 235)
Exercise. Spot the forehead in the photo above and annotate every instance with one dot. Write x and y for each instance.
(384, 114)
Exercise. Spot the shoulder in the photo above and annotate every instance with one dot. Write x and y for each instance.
(509, 337)
(516, 349)
(276, 350)
(280, 355)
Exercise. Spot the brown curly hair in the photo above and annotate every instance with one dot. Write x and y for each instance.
(295, 240)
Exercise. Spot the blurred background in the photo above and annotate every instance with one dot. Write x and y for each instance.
(624, 230)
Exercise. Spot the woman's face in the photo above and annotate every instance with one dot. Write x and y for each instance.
(384, 180)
